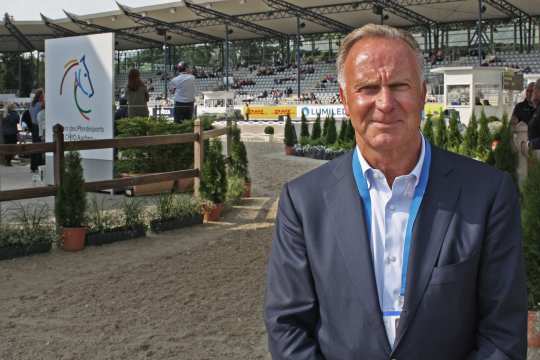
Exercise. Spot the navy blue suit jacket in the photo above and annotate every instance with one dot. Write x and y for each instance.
(466, 296)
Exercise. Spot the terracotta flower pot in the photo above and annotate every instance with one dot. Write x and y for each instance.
(73, 238)
(533, 330)
(213, 213)
(247, 190)
(289, 150)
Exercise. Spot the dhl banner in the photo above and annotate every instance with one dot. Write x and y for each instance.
(270, 112)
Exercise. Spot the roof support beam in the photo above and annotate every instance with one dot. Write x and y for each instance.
(57, 29)
(173, 27)
(309, 15)
(86, 25)
(397, 9)
(235, 21)
(509, 9)
(17, 34)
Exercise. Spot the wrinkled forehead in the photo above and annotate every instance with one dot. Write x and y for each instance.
(373, 55)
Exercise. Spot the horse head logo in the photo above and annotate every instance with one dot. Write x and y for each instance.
(82, 81)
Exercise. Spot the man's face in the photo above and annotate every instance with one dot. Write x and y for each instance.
(383, 94)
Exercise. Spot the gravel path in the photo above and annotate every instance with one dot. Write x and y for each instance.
(188, 294)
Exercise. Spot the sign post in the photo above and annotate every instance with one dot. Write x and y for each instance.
(79, 96)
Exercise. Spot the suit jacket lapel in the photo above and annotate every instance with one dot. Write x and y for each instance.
(351, 237)
(428, 233)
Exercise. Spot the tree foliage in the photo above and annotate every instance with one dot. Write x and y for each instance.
(71, 199)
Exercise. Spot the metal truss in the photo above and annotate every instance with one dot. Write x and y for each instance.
(309, 15)
(17, 34)
(509, 9)
(88, 26)
(172, 27)
(235, 21)
(396, 8)
(57, 29)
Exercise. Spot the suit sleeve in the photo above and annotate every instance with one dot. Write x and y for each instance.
(291, 308)
(502, 291)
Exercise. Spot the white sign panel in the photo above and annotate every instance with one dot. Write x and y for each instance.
(311, 111)
(79, 89)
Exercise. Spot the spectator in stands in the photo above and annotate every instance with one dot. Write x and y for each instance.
(183, 86)
(534, 123)
(10, 121)
(524, 110)
(136, 94)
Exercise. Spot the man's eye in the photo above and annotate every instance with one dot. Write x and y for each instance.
(399, 87)
(370, 89)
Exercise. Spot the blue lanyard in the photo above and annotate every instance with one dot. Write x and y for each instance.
(363, 190)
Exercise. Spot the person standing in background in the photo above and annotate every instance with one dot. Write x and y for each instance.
(35, 105)
(9, 128)
(524, 110)
(183, 86)
(137, 95)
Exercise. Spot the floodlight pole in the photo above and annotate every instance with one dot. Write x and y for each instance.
(479, 32)
(298, 55)
(165, 71)
(227, 56)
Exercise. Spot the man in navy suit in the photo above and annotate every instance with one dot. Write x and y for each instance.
(398, 249)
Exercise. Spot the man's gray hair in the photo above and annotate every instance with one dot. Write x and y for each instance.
(537, 84)
(373, 30)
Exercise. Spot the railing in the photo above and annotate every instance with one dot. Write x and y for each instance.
(59, 146)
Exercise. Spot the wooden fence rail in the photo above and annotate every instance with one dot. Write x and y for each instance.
(59, 146)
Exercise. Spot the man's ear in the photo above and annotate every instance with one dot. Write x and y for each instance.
(343, 100)
(423, 94)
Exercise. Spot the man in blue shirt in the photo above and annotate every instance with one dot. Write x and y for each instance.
(398, 249)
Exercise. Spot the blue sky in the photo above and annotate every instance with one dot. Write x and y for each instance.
(30, 9)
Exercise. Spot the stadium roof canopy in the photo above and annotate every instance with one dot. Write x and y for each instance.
(195, 21)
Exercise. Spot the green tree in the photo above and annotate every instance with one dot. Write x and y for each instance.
(441, 136)
(325, 126)
(213, 174)
(304, 131)
(290, 133)
(454, 136)
(531, 228)
(343, 130)
(470, 142)
(316, 131)
(238, 165)
(484, 136)
(428, 129)
(505, 158)
(71, 199)
(331, 132)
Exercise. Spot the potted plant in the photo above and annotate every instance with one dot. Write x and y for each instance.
(174, 211)
(289, 137)
(108, 226)
(235, 189)
(213, 181)
(531, 228)
(269, 132)
(28, 232)
(238, 162)
(71, 204)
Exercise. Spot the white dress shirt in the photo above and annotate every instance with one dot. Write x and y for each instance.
(389, 215)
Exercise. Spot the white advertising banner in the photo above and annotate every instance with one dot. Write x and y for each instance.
(79, 89)
(311, 111)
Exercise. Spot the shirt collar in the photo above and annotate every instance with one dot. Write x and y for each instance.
(367, 170)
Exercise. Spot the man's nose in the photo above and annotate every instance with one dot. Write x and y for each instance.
(385, 100)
